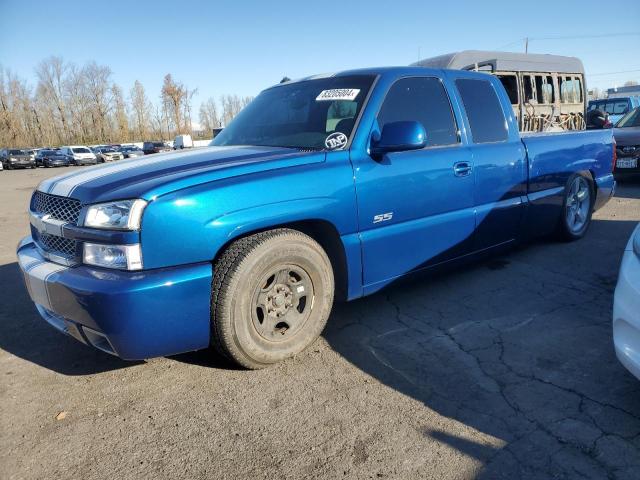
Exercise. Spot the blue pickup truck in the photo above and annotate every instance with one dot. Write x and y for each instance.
(327, 187)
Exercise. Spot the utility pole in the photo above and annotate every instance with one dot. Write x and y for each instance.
(526, 44)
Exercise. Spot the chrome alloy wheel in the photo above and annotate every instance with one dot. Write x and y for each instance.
(578, 205)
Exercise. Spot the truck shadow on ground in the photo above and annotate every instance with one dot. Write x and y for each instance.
(24, 334)
(519, 349)
(628, 186)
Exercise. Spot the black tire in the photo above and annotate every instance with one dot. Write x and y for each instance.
(565, 230)
(243, 289)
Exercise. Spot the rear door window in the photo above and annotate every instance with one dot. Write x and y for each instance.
(425, 100)
(484, 111)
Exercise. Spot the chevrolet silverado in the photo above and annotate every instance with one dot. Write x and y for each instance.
(328, 187)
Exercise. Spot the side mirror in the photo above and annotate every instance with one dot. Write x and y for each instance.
(399, 137)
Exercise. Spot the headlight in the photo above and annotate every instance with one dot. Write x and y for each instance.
(123, 257)
(122, 215)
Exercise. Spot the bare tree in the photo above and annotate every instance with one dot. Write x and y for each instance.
(231, 106)
(630, 83)
(141, 110)
(97, 78)
(121, 120)
(209, 115)
(81, 104)
(173, 95)
(187, 109)
(51, 73)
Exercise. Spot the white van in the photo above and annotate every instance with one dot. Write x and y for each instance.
(182, 141)
(79, 155)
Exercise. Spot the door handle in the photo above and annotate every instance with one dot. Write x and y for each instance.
(462, 169)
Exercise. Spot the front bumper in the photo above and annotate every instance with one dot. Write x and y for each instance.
(56, 163)
(626, 313)
(22, 163)
(134, 315)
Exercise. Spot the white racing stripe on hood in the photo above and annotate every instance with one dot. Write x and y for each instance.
(63, 186)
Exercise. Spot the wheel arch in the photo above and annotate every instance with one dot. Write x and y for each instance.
(322, 231)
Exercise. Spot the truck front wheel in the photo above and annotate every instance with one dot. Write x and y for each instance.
(272, 294)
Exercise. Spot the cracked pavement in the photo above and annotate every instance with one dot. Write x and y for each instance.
(498, 369)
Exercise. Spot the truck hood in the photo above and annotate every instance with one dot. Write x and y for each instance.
(151, 176)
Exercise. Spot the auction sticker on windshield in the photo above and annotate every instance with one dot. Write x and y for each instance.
(338, 94)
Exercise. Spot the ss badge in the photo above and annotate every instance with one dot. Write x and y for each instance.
(383, 217)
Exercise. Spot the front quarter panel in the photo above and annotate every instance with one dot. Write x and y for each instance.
(191, 225)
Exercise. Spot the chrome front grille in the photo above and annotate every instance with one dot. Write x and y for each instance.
(60, 208)
(64, 247)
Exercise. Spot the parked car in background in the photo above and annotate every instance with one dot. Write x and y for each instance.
(108, 154)
(156, 147)
(16, 158)
(616, 108)
(384, 172)
(33, 152)
(79, 155)
(182, 141)
(131, 151)
(627, 136)
(51, 158)
(626, 307)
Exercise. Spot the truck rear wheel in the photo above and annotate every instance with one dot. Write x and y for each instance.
(577, 208)
(272, 294)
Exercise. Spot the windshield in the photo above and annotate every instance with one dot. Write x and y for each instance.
(16, 152)
(80, 150)
(314, 114)
(612, 107)
(631, 119)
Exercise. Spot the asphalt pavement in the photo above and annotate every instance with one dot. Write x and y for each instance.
(498, 369)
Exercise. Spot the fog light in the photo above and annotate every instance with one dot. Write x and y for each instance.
(123, 257)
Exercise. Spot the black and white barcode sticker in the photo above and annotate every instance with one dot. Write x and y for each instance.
(338, 94)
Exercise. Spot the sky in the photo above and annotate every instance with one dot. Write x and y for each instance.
(241, 47)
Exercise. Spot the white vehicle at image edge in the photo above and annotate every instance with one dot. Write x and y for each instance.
(626, 307)
(79, 155)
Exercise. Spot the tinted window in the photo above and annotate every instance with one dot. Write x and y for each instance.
(423, 100)
(15, 152)
(80, 150)
(484, 111)
(612, 107)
